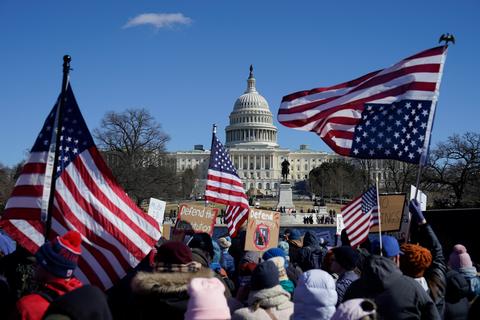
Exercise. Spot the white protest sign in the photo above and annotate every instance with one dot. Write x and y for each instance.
(340, 224)
(156, 209)
(421, 197)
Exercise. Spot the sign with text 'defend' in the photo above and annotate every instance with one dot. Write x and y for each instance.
(200, 218)
(263, 228)
(392, 207)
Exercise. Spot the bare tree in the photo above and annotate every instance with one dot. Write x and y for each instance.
(134, 146)
(400, 175)
(454, 167)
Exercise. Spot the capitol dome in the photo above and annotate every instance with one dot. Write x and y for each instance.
(251, 122)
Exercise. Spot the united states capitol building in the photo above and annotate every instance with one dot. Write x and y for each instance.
(251, 138)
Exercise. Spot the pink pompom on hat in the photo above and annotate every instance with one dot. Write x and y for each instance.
(207, 300)
(459, 258)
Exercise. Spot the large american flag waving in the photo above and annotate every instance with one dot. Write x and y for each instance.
(225, 187)
(116, 234)
(386, 114)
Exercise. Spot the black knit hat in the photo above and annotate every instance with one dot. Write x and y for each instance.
(265, 276)
(346, 256)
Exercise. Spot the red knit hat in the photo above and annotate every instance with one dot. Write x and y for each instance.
(60, 256)
(415, 260)
(174, 252)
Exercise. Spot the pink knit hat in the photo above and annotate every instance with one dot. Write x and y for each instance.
(459, 258)
(207, 300)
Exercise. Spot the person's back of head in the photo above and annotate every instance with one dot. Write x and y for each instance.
(85, 303)
(207, 300)
(388, 248)
(59, 257)
(202, 241)
(315, 296)
(415, 260)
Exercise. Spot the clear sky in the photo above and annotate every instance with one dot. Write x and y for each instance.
(187, 61)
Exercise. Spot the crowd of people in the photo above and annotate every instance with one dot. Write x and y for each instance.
(205, 278)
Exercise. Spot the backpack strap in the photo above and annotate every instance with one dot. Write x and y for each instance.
(47, 294)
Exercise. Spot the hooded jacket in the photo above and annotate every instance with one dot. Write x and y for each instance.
(311, 254)
(456, 302)
(396, 295)
(34, 306)
(315, 296)
(275, 301)
(164, 293)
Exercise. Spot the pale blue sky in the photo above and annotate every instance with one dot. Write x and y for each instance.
(188, 61)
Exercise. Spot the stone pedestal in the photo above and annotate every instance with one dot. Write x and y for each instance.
(285, 196)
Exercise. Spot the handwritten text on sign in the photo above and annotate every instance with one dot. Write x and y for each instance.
(202, 219)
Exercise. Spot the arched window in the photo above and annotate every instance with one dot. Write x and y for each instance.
(267, 186)
(259, 186)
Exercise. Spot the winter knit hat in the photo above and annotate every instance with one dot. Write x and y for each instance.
(265, 276)
(355, 309)
(207, 300)
(295, 235)
(273, 252)
(251, 256)
(280, 263)
(459, 258)
(415, 260)
(60, 256)
(174, 252)
(202, 241)
(285, 247)
(346, 256)
(224, 242)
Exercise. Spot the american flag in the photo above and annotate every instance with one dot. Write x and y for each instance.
(386, 114)
(225, 187)
(116, 234)
(360, 215)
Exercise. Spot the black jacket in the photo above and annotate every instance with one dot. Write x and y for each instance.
(397, 296)
(436, 273)
(456, 301)
(310, 256)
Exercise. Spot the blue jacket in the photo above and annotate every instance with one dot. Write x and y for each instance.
(227, 262)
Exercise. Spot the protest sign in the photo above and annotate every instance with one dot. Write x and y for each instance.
(262, 230)
(340, 224)
(392, 207)
(156, 209)
(200, 218)
(421, 197)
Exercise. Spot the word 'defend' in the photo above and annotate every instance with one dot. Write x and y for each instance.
(261, 215)
(195, 212)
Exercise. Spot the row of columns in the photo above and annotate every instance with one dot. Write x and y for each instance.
(252, 135)
(263, 159)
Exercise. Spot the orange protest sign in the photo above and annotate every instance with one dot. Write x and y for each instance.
(263, 228)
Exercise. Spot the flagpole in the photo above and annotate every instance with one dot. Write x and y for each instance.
(214, 132)
(379, 217)
(58, 132)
